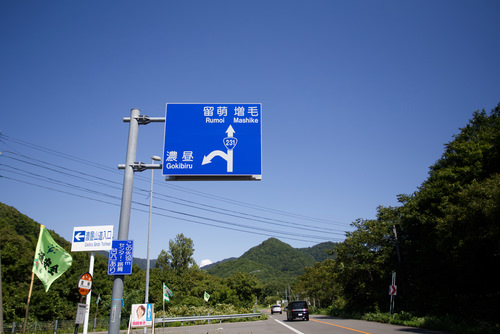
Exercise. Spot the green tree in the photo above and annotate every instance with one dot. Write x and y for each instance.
(162, 261)
(247, 287)
(449, 228)
(320, 284)
(180, 254)
(364, 263)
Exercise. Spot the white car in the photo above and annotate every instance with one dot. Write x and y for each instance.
(276, 309)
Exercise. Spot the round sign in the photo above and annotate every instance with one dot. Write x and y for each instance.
(85, 284)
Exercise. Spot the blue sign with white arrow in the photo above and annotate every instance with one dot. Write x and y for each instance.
(79, 236)
(213, 140)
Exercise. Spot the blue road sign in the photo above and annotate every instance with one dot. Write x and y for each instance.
(79, 236)
(149, 313)
(213, 139)
(121, 257)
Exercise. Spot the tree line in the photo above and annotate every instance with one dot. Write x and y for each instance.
(443, 240)
(174, 267)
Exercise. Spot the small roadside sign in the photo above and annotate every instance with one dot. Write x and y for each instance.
(393, 290)
(142, 315)
(85, 284)
(121, 257)
(92, 238)
(80, 314)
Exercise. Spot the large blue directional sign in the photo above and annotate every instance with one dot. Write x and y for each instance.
(213, 141)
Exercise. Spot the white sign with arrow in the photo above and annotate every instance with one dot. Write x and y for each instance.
(92, 238)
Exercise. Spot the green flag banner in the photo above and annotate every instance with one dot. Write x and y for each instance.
(167, 293)
(206, 296)
(51, 260)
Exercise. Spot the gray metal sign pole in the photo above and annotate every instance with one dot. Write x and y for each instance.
(128, 183)
(130, 167)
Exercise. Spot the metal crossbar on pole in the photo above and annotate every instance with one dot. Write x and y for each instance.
(126, 205)
(130, 167)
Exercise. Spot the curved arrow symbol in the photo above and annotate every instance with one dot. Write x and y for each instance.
(208, 158)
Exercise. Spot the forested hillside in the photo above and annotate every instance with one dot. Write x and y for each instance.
(18, 239)
(443, 241)
(274, 261)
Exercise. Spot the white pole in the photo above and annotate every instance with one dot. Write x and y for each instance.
(87, 311)
(146, 296)
(126, 206)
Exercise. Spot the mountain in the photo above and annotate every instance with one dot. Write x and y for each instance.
(320, 252)
(273, 260)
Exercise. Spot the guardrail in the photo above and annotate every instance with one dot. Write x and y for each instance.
(207, 317)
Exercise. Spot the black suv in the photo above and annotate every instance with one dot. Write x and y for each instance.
(297, 310)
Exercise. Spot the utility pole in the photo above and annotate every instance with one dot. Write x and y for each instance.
(128, 183)
(1, 300)
(397, 243)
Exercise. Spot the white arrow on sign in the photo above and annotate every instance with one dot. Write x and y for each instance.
(230, 142)
(230, 131)
(79, 236)
(92, 238)
(207, 159)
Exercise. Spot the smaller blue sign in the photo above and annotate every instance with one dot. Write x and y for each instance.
(121, 257)
(149, 313)
(79, 236)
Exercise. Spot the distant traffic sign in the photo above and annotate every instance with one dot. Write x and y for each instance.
(213, 140)
(92, 238)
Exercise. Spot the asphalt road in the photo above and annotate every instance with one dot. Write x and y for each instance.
(277, 324)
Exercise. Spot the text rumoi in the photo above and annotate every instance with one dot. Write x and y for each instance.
(215, 120)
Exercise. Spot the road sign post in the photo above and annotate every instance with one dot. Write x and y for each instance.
(126, 205)
(91, 239)
(393, 290)
(212, 141)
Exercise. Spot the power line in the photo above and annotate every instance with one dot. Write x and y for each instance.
(75, 174)
(170, 185)
(230, 226)
(107, 183)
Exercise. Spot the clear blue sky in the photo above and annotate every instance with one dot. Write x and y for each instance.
(358, 99)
